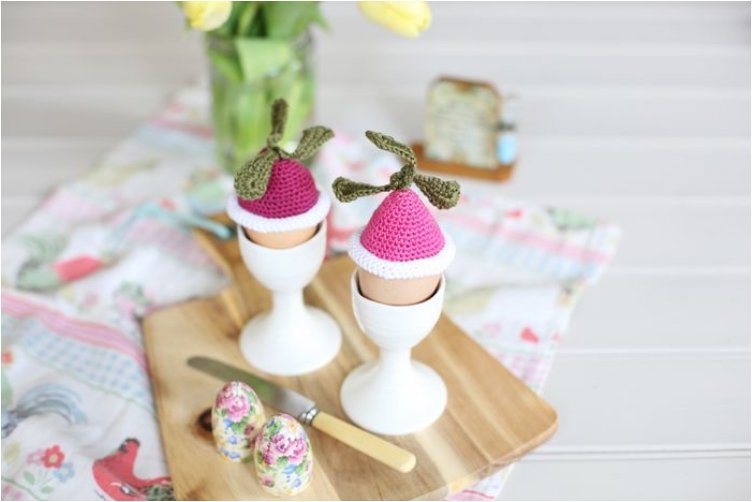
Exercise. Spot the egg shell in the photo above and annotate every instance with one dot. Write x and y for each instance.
(283, 456)
(281, 240)
(397, 292)
(237, 417)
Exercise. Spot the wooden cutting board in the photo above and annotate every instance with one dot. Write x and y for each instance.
(491, 420)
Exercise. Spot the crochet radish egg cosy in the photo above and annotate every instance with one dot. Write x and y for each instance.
(402, 240)
(275, 191)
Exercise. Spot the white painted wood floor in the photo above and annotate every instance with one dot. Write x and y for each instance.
(638, 113)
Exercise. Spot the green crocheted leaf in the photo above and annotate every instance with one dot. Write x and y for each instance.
(442, 194)
(279, 119)
(347, 191)
(402, 178)
(389, 144)
(313, 138)
(252, 179)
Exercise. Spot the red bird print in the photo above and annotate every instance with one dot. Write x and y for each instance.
(114, 475)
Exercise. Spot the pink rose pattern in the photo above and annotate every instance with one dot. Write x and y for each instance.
(236, 407)
(282, 445)
(283, 457)
(237, 416)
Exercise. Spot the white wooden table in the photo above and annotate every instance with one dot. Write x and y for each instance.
(638, 113)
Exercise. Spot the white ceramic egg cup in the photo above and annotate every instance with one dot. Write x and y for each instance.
(394, 394)
(292, 338)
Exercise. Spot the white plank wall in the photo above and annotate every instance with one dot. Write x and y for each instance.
(638, 113)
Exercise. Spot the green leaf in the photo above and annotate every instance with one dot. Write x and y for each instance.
(257, 28)
(288, 20)
(260, 57)
(219, 108)
(274, 426)
(389, 144)
(442, 194)
(29, 477)
(301, 467)
(227, 64)
(246, 18)
(347, 190)
(313, 138)
(250, 113)
(252, 179)
(300, 99)
(47, 489)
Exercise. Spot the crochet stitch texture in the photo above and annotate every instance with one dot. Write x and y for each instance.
(411, 269)
(290, 191)
(402, 240)
(274, 190)
(402, 229)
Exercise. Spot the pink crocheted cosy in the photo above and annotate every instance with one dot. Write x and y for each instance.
(291, 191)
(402, 229)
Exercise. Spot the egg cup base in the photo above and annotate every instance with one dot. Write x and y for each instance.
(291, 338)
(372, 401)
(289, 345)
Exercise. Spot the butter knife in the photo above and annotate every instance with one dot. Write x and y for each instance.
(306, 411)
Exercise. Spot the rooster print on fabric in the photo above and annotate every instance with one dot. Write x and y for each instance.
(41, 400)
(114, 474)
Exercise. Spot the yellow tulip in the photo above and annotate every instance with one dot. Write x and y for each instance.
(408, 19)
(206, 16)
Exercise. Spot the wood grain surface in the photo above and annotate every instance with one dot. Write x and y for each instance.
(491, 419)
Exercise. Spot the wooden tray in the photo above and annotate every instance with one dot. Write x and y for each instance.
(491, 420)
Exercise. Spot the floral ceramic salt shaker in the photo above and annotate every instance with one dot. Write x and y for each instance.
(237, 417)
(281, 216)
(397, 295)
(283, 457)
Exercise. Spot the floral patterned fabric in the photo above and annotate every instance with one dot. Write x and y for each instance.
(78, 418)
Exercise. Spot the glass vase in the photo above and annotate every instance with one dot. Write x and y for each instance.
(247, 75)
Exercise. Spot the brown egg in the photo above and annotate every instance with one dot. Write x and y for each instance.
(281, 240)
(397, 291)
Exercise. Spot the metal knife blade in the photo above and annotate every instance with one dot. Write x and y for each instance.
(285, 400)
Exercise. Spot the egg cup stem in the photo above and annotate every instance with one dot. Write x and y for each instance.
(291, 338)
(394, 394)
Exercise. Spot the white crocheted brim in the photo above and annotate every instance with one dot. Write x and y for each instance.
(257, 223)
(412, 269)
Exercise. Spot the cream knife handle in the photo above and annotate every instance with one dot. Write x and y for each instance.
(365, 442)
